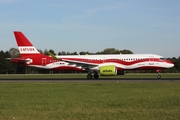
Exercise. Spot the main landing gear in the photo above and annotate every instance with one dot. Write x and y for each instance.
(158, 76)
(90, 76)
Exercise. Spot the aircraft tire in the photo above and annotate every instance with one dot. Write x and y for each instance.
(96, 76)
(159, 77)
(89, 76)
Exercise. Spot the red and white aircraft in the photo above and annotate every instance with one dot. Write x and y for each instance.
(95, 64)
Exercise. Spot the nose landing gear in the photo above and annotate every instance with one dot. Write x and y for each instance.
(158, 76)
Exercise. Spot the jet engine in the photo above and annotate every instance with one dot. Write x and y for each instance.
(108, 70)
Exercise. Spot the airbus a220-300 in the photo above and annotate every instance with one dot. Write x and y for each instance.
(95, 64)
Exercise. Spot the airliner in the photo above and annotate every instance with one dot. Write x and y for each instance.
(95, 64)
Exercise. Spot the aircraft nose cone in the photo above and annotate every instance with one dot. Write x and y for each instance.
(172, 65)
(169, 64)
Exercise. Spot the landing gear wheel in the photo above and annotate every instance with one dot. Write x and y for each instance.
(96, 76)
(159, 77)
(89, 76)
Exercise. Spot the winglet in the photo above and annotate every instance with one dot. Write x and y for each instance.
(52, 55)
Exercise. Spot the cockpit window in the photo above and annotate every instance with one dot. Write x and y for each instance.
(163, 58)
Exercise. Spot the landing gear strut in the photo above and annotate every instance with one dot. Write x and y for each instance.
(158, 76)
(90, 76)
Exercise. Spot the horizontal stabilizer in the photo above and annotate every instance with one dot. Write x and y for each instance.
(18, 60)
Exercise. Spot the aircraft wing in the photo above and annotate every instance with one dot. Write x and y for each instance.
(80, 63)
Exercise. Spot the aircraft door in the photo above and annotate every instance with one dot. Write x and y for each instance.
(43, 61)
(104, 60)
(151, 60)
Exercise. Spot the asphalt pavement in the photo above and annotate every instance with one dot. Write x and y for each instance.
(92, 80)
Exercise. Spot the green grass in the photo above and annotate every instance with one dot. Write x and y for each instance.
(128, 75)
(94, 101)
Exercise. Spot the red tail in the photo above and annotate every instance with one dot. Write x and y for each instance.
(24, 45)
(21, 39)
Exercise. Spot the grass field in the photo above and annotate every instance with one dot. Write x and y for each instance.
(128, 75)
(94, 101)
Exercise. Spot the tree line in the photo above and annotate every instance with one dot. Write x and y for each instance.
(7, 67)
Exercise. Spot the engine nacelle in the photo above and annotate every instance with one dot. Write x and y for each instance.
(108, 70)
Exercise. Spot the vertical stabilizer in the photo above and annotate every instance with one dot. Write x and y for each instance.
(24, 45)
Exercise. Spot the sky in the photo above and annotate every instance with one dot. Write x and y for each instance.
(142, 26)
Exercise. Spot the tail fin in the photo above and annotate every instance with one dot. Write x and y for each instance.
(24, 45)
